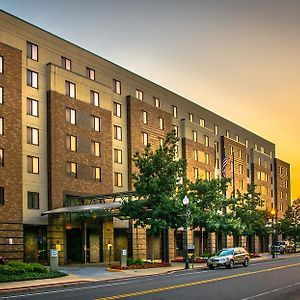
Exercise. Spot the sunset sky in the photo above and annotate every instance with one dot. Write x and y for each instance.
(240, 59)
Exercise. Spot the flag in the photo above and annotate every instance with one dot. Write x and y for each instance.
(224, 164)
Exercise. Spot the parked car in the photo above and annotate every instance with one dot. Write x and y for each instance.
(229, 257)
(284, 246)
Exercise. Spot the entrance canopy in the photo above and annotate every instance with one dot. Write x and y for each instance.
(83, 208)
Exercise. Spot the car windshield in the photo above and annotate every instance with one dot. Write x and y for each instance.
(225, 252)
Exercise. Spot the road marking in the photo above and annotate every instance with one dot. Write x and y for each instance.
(272, 291)
(172, 287)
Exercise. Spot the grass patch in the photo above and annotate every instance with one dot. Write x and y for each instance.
(19, 271)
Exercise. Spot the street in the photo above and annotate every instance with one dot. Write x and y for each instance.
(277, 279)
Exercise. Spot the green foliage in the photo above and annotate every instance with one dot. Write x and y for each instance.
(156, 186)
(289, 226)
(137, 261)
(18, 271)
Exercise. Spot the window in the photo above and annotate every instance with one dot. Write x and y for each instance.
(118, 156)
(118, 133)
(237, 137)
(96, 123)
(71, 142)
(271, 154)
(145, 138)
(202, 122)
(227, 134)
(118, 179)
(32, 51)
(1, 157)
(248, 158)
(1, 64)
(231, 150)
(71, 169)
(217, 163)
(281, 206)
(1, 126)
(32, 164)
(32, 79)
(195, 136)
(117, 87)
(174, 108)
(33, 200)
(255, 146)
(259, 161)
(156, 101)
(95, 98)
(262, 149)
(241, 169)
(195, 154)
(281, 195)
(90, 73)
(196, 173)
(66, 63)
(191, 117)
(96, 148)
(117, 109)
(240, 153)
(161, 122)
(206, 138)
(241, 184)
(161, 142)
(70, 89)
(32, 107)
(216, 129)
(71, 116)
(207, 175)
(248, 173)
(32, 136)
(139, 94)
(216, 147)
(175, 127)
(206, 158)
(144, 117)
(96, 173)
(1, 95)
(246, 143)
(231, 166)
(1, 195)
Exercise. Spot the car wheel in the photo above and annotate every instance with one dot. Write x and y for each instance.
(246, 262)
(211, 267)
(231, 264)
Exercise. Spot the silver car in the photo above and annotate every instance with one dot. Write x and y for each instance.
(229, 257)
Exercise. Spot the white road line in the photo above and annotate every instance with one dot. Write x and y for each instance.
(272, 291)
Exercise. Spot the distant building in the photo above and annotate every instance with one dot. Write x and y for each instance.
(70, 122)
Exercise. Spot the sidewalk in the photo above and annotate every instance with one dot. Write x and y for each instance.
(97, 272)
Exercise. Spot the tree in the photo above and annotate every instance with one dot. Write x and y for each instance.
(289, 226)
(157, 184)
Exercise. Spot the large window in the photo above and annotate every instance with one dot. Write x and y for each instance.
(71, 116)
(32, 136)
(1, 95)
(145, 138)
(66, 63)
(1, 157)
(71, 142)
(32, 107)
(1, 126)
(139, 94)
(118, 133)
(96, 148)
(118, 179)
(33, 164)
(1, 195)
(118, 156)
(32, 79)
(117, 86)
(71, 169)
(96, 173)
(90, 73)
(1, 64)
(95, 98)
(33, 200)
(70, 89)
(96, 123)
(117, 110)
(32, 51)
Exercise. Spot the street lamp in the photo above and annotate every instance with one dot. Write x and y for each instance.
(185, 202)
(273, 214)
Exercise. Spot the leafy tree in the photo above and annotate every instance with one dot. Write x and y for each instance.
(157, 184)
(289, 226)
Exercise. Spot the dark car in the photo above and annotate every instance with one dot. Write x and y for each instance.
(229, 257)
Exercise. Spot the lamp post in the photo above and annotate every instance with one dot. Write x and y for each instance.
(273, 213)
(185, 202)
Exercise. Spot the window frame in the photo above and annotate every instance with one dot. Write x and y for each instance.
(32, 81)
(70, 114)
(118, 156)
(30, 164)
(156, 101)
(2, 196)
(1, 157)
(1, 126)
(30, 108)
(90, 71)
(30, 51)
(33, 136)
(95, 98)
(1, 95)
(97, 171)
(31, 203)
(1, 64)
(96, 123)
(117, 86)
(139, 94)
(70, 92)
(118, 179)
(175, 111)
(118, 134)
(96, 148)
(117, 109)
(66, 63)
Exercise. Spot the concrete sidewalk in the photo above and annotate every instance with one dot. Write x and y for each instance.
(97, 272)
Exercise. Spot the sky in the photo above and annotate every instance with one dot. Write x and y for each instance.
(239, 59)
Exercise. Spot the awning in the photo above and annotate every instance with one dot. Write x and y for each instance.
(83, 208)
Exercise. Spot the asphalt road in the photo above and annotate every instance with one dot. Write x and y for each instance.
(277, 279)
